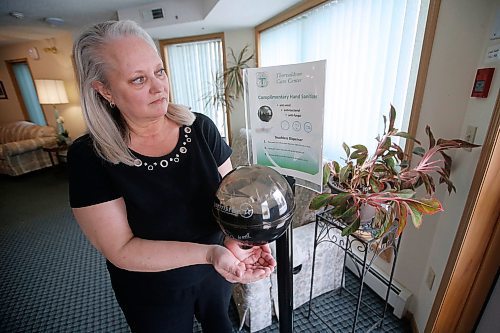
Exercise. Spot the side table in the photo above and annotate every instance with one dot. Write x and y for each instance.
(60, 153)
(362, 249)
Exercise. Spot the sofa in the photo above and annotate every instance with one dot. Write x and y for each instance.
(21, 147)
(257, 302)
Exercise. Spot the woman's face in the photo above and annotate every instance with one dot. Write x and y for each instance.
(138, 84)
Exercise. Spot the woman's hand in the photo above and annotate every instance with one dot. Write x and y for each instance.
(257, 259)
(225, 263)
(239, 271)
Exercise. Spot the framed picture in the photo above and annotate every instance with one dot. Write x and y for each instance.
(3, 93)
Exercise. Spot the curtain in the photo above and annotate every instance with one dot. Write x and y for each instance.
(372, 49)
(193, 69)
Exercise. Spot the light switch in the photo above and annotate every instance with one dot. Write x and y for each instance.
(429, 281)
(470, 135)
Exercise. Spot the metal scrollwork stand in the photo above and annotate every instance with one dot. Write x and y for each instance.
(368, 248)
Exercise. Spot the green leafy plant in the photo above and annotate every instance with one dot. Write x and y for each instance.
(228, 86)
(385, 183)
(62, 133)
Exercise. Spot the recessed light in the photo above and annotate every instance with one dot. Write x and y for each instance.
(54, 21)
(17, 15)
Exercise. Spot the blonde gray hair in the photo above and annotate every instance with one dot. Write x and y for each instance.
(107, 128)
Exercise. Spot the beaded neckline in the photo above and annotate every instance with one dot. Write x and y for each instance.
(174, 157)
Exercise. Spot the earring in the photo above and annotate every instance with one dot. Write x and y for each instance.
(112, 104)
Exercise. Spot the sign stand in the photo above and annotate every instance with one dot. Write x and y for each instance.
(284, 257)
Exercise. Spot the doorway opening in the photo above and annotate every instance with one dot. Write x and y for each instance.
(26, 91)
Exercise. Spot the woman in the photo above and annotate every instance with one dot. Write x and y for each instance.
(142, 184)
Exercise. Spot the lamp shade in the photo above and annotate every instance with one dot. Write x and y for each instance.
(51, 91)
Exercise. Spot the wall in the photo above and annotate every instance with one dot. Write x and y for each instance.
(236, 40)
(49, 66)
(461, 39)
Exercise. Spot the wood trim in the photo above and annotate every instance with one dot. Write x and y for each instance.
(164, 57)
(423, 69)
(257, 48)
(484, 279)
(228, 112)
(464, 283)
(13, 78)
(190, 39)
(289, 13)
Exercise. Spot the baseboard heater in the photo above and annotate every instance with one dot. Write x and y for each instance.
(378, 280)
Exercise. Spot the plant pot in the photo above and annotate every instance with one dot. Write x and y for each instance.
(335, 187)
(367, 213)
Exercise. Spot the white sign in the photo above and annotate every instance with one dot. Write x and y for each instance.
(285, 108)
(492, 54)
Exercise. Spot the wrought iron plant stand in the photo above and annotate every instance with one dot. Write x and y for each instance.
(362, 248)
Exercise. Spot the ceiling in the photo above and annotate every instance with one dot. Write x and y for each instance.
(182, 17)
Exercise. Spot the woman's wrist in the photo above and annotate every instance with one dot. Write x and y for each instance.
(210, 254)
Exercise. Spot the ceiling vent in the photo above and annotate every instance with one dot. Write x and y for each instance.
(153, 14)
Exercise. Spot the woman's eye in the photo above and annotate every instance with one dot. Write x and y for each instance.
(161, 72)
(138, 80)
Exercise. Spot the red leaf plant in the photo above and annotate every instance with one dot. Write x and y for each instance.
(386, 182)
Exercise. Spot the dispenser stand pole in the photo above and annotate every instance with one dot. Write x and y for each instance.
(284, 257)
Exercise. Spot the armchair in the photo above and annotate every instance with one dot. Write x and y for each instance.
(21, 147)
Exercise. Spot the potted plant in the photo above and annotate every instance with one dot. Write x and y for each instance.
(62, 133)
(228, 86)
(385, 184)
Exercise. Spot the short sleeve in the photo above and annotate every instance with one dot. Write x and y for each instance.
(220, 149)
(89, 182)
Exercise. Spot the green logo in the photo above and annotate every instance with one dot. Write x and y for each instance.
(262, 79)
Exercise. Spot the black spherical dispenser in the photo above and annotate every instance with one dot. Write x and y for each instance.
(254, 204)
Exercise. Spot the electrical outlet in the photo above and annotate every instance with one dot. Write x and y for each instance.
(430, 278)
(470, 135)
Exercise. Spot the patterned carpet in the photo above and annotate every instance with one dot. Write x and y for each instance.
(52, 280)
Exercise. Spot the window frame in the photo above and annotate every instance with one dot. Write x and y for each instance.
(190, 39)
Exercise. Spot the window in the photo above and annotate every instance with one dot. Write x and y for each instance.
(193, 64)
(372, 50)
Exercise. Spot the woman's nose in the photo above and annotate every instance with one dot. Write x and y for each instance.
(157, 85)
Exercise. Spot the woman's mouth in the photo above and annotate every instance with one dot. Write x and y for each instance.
(159, 100)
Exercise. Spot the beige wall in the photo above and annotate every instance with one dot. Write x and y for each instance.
(49, 66)
(236, 40)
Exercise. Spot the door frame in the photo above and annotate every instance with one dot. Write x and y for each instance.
(20, 98)
(473, 263)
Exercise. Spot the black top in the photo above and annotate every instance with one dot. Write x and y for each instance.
(167, 198)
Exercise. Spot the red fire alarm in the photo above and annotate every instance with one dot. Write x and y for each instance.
(482, 82)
